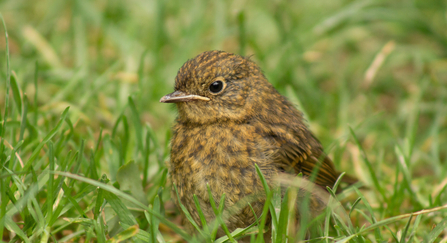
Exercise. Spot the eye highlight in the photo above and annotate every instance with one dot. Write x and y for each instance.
(217, 87)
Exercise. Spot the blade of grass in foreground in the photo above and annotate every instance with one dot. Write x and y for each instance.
(391, 220)
(187, 214)
(16, 92)
(267, 205)
(124, 235)
(202, 217)
(436, 231)
(8, 84)
(417, 221)
(125, 196)
(369, 165)
(35, 106)
(403, 163)
(218, 212)
(46, 139)
(3, 188)
(136, 122)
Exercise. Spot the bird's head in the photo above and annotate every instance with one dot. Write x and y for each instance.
(218, 86)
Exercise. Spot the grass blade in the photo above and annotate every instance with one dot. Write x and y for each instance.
(46, 139)
(369, 165)
(433, 235)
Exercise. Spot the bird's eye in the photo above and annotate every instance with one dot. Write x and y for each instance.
(217, 87)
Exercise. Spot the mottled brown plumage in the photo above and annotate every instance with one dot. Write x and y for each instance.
(220, 135)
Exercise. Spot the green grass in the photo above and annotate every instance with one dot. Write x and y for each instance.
(370, 76)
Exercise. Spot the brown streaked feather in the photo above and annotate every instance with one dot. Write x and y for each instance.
(297, 150)
(294, 159)
(327, 175)
(302, 153)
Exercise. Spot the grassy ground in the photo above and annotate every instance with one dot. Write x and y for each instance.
(370, 76)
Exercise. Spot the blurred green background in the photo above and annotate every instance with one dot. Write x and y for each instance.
(100, 52)
(379, 67)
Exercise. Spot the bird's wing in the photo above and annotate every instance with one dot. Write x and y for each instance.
(305, 159)
(298, 151)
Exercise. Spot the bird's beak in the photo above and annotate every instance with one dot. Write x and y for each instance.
(179, 96)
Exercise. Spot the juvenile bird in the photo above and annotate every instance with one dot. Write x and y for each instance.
(229, 119)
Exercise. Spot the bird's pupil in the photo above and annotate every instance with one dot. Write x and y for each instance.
(216, 86)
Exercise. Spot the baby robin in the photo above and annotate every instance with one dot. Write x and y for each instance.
(229, 119)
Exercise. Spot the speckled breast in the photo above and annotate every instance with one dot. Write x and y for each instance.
(222, 156)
